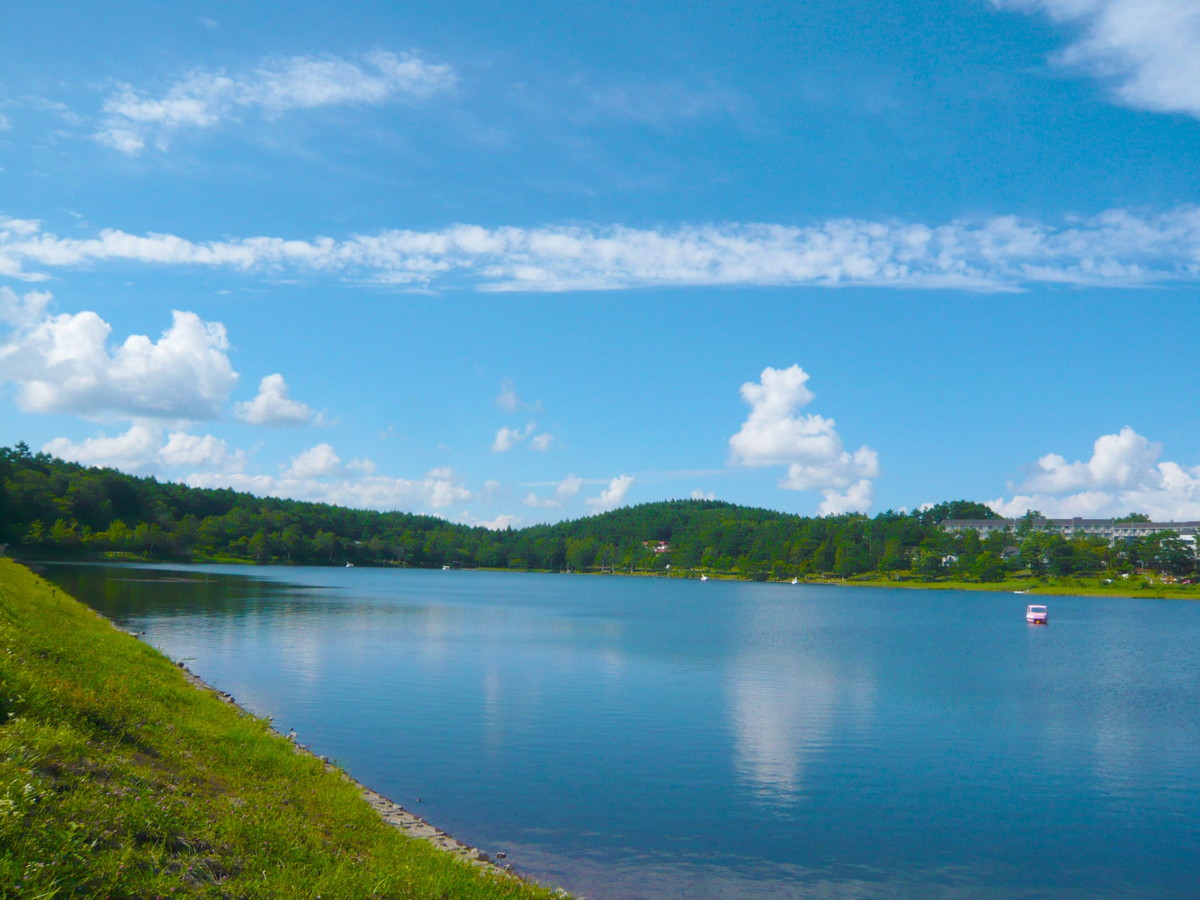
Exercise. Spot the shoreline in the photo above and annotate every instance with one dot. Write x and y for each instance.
(389, 811)
(1159, 591)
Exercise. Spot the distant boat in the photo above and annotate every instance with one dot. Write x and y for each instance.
(445, 568)
(349, 565)
(1035, 614)
(795, 581)
(704, 578)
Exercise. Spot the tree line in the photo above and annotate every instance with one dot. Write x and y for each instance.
(53, 507)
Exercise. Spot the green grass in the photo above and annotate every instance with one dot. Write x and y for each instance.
(1069, 585)
(119, 779)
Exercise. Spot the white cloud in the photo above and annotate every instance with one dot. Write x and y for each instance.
(808, 445)
(372, 492)
(63, 364)
(541, 442)
(1114, 248)
(857, 497)
(612, 496)
(1147, 52)
(507, 438)
(313, 463)
(566, 489)
(22, 311)
(507, 399)
(699, 494)
(273, 406)
(1123, 475)
(499, 523)
(134, 450)
(318, 475)
(183, 449)
(141, 448)
(203, 99)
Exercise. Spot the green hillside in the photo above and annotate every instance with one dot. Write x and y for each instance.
(51, 508)
(120, 779)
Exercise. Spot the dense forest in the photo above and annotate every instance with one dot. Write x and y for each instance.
(51, 507)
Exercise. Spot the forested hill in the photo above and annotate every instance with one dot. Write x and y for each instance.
(52, 507)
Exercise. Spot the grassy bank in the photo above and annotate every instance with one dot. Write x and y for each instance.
(1063, 586)
(120, 779)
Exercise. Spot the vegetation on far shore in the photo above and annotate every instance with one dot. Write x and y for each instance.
(55, 509)
(120, 779)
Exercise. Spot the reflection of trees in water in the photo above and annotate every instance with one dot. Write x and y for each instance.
(123, 592)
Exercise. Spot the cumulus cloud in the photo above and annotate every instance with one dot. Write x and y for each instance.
(566, 489)
(1123, 474)
(141, 448)
(203, 99)
(699, 494)
(1147, 52)
(22, 310)
(612, 496)
(541, 442)
(183, 449)
(314, 462)
(64, 364)
(1002, 253)
(809, 445)
(273, 406)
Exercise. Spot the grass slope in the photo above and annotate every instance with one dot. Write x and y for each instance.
(120, 779)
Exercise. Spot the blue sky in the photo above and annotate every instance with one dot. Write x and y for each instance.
(512, 264)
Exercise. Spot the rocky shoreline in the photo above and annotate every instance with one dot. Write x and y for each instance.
(391, 812)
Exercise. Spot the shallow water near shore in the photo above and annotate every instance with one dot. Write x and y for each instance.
(664, 738)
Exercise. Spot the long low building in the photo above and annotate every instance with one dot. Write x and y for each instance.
(1108, 529)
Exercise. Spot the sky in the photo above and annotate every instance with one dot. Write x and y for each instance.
(519, 263)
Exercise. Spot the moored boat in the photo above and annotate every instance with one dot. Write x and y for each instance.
(1036, 614)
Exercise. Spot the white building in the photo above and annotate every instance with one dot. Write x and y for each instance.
(1106, 528)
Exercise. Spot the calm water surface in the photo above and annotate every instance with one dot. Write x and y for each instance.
(653, 738)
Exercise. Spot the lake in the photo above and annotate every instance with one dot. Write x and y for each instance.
(666, 738)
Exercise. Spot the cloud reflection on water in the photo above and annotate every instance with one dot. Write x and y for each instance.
(786, 700)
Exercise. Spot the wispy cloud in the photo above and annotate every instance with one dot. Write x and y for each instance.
(1147, 52)
(1003, 253)
(565, 490)
(206, 98)
(435, 492)
(507, 399)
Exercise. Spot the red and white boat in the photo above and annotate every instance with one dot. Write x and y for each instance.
(1035, 614)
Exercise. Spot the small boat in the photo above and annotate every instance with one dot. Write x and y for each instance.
(1035, 614)
(704, 578)
(445, 568)
(349, 565)
(795, 581)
